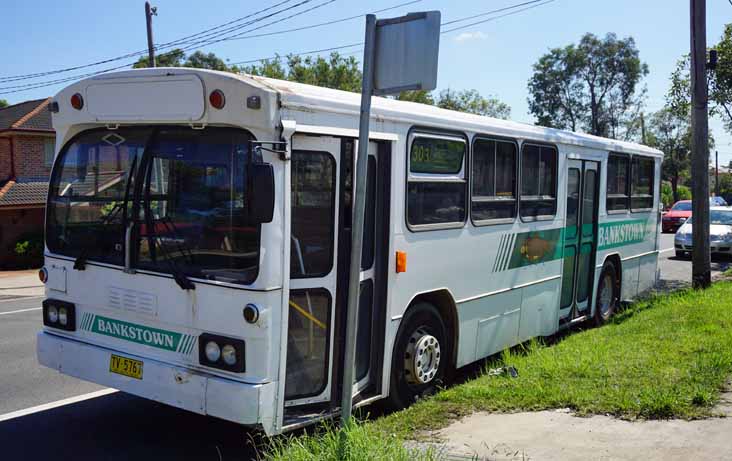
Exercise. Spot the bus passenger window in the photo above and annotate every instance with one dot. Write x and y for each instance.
(436, 189)
(313, 214)
(618, 198)
(641, 193)
(494, 180)
(538, 181)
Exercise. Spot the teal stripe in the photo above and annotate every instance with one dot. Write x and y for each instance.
(193, 343)
(183, 344)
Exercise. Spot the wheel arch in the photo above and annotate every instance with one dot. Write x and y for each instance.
(615, 260)
(443, 300)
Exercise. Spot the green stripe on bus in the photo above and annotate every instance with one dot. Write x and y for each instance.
(523, 249)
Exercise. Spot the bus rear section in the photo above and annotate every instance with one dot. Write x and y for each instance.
(164, 242)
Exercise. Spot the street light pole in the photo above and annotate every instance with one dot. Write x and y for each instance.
(701, 261)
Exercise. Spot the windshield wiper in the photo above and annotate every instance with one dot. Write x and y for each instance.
(178, 275)
(80, 261)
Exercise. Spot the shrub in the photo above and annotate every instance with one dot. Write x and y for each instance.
(28, 250)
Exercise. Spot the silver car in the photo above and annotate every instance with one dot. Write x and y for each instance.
(720, 233)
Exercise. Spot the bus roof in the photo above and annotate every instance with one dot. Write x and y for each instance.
(298, 96)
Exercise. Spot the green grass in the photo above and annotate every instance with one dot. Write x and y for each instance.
(666, 357)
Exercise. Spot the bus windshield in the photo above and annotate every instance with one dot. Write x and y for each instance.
(184, 190)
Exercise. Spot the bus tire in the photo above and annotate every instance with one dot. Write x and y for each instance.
(608, 294)
(421, 357)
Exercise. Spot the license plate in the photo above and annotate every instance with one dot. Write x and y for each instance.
(125, 367)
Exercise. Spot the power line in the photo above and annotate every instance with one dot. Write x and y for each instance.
(327, 23)
(12, 78)
(30, 86)
(499, 16)
(533, 4)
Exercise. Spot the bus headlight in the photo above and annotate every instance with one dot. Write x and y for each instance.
(213, 351)
(59, 314)
(52, 314)
(221, 352)
(63, 316)
(228, 353)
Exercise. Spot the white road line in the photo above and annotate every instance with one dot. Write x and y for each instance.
(56, 404)
(667, 250)
(21, 310)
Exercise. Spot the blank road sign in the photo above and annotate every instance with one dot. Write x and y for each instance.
(406, 53)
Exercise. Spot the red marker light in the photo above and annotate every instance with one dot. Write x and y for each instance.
(217, 99)
(77, 102)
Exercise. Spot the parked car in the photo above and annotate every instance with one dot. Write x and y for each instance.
(676, 216)
(720, 233)
(717, 201)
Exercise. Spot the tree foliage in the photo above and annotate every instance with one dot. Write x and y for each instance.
(720, 83)
(472, 102)
(3, 103)
(591, 86)
(671, 133)
(173, 58)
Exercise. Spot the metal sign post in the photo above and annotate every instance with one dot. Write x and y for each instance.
(400, 54)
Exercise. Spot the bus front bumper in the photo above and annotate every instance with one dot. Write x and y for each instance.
(175, 386)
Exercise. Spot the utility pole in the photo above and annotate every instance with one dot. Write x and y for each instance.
(701, 261)
(149, 13)
(643, 128)
(716, 173)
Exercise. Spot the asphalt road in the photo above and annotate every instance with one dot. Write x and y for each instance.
(121, 426)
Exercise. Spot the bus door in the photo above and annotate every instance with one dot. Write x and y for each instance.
(315, 173)
(580, 239)
(321, 200)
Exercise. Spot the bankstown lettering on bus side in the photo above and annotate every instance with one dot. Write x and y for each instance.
(612, 235)
(136, 333)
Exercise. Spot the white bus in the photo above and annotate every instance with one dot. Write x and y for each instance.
(198, 229)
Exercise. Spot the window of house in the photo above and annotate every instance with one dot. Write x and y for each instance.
(538, 182)
(436, 186)
(641, 193)
(494, 180)
(618, 172)
(48, 151)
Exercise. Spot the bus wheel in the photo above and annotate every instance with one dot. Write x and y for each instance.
(607, 295)
(421, 356)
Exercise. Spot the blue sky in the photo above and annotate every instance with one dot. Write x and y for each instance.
(494, 58)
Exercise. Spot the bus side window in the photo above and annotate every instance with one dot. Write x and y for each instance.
(538, 182)
(494, 180)
(313, 214)
(436, 186)
(618, 171)
(641, 188)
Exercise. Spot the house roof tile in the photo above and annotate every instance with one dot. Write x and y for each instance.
(28, 115)
(15, 193)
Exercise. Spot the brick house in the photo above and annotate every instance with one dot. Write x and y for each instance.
(26, 156)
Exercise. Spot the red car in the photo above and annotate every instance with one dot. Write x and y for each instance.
(676, 216)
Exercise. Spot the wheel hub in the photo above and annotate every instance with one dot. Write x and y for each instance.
(422, 357)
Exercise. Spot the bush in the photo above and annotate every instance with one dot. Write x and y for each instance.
(28, 251)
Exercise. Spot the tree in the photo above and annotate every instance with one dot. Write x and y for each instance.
(590, 86)
(3, 103)
(201, 60)
(336, 71)
(173, 58)
(420, 96)
(720, 83)
(472, 102)
(671, 133)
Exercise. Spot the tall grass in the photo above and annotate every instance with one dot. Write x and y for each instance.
(666, 357)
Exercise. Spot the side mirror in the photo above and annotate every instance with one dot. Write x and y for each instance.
(261, 192)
